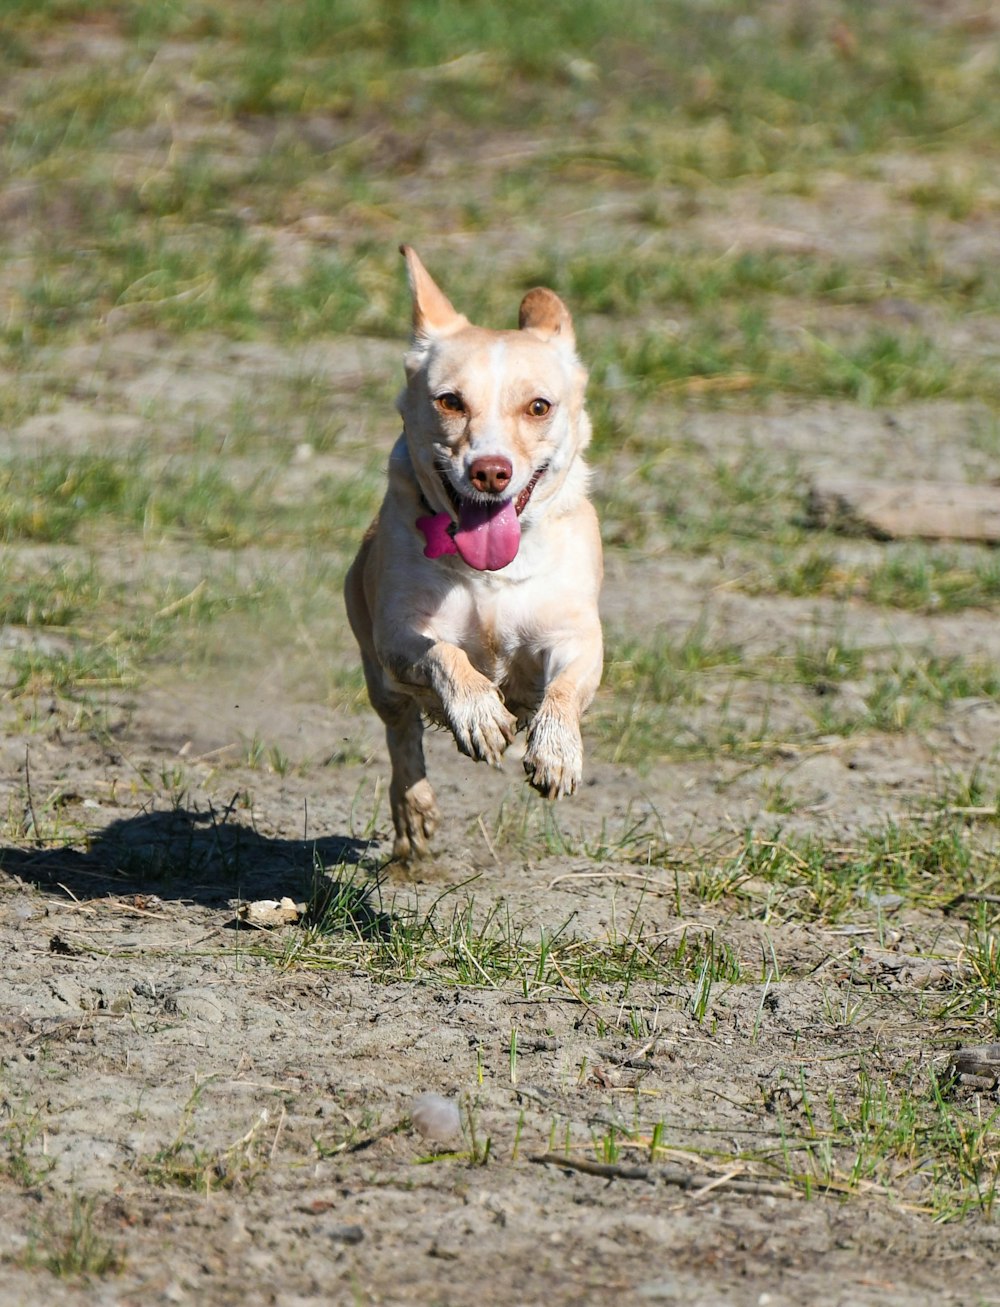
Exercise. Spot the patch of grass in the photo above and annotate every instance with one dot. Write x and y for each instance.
(893, 1138)
(908, 693)
(745, 352)
(717, 964)
(23, 1160)
(77, 110)
(820, 663)
(79, 670)
(197, 279)
(934, 580)
(664, 670)
(286, 131)
(183, 1164)
(525, 822)
(977, 1000)
(812, 571)
(958, 196)
(633, 282)
(75, 1249)
(55, 496)
(806, 879)
(654, 695)
(362, 293)
(882, 367)
(872, 78)
(62, 595)
(921, 578)
(896, 1133)
(456, 942)
(677, 497)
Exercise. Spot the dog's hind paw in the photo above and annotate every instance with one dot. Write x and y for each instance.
(415, 818)
(483, 727)
(553, 761)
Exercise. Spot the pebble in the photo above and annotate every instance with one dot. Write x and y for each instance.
(436, 1118)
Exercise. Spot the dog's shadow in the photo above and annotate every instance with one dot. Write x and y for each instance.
(209, 858)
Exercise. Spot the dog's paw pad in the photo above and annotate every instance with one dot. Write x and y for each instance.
(553, 761)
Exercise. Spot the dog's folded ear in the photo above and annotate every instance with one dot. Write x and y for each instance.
(433, 314)
(545, 315)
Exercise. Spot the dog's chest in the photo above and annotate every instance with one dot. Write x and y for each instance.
(498, 634)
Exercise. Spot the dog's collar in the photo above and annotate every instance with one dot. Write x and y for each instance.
(438, 529)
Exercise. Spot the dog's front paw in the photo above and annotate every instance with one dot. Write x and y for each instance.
(482, 726)
(554, 757)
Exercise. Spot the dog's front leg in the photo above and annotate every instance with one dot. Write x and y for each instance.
(470, 703)
(553, 760)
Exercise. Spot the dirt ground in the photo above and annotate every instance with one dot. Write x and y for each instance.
(138, 1018)
(194, 1112)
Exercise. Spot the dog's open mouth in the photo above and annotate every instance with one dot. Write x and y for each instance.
(488, 532)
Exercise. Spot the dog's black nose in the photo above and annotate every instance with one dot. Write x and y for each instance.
(491, 474)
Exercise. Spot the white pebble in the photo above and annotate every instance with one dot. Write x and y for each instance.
(437, 1118)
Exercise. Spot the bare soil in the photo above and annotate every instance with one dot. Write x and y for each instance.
(137, 1017)
(224, 1123)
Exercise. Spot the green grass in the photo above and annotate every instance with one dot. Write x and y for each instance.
(24, 1161)
(920, 578)
(85, 631)
(695, 280)
(663, 670)
(185, 1164)
(92, 669)
(649, 706)
(805, 879)
(892, 1137)
(901, 1137)
(743, 352)
(60, 596)
(458, 939)
(189, 245)
(73, 1248)
(57, 497)
(678, 496)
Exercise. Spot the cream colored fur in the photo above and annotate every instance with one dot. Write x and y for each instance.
(482, 653)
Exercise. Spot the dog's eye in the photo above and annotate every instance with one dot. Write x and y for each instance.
(450, 402)
(538, 408)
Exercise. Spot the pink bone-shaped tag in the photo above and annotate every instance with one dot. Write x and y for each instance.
(439, 539)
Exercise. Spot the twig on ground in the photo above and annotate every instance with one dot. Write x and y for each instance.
(648, 882)
(35, 832)
(678, 1176)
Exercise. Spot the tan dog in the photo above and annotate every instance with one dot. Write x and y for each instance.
(474, 594)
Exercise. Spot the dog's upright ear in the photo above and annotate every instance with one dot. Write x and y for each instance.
(433, 314)
(544, 314)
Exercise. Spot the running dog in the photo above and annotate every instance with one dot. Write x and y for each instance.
(474, 594)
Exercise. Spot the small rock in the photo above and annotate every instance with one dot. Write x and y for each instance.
(267, 913)
(436, 1118)
(346, 1233)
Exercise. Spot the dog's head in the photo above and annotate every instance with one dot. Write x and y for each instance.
(494, 420)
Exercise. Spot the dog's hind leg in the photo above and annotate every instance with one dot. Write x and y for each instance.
(414, 810)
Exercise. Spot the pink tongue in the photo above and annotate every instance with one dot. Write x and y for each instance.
(488, 535)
